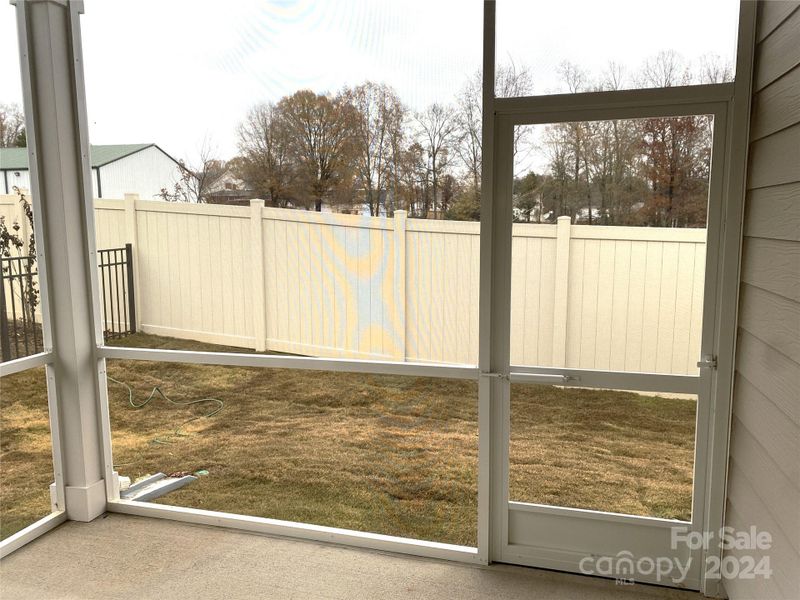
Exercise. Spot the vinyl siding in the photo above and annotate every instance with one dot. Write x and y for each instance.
(763, 475)
(145, 173)
(10, 179)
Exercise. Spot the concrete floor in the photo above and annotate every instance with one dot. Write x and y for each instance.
(119, 556)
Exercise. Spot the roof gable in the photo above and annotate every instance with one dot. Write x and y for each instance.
(16, 159)
(102, 155)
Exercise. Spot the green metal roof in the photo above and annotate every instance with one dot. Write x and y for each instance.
(17, 158)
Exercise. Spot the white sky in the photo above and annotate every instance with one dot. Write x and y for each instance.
(176, 72)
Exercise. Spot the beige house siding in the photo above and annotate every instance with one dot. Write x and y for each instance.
(764, 470)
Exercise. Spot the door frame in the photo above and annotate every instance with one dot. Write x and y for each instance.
(729, 103)
(603, 533)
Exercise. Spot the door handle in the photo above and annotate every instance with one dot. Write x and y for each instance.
(709, 361)
(541, 378)
(493, 375)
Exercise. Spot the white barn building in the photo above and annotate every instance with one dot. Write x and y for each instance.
(117, 169)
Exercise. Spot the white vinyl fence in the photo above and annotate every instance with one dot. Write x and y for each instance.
(619, 298)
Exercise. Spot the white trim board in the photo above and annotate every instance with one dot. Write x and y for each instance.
(26, 362)
(305, 531)
(31, 532)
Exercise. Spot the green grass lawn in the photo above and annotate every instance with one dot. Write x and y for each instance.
(392, 455)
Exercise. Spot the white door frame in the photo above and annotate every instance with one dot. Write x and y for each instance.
(558, 537)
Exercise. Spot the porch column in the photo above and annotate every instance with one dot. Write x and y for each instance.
(51, 63)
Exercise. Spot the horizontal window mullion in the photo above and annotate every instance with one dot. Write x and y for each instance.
(26, 362)
(277, 361)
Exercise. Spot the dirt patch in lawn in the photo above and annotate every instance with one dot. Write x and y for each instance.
(392, 455)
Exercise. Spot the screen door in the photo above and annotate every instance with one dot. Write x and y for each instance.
(608, 229)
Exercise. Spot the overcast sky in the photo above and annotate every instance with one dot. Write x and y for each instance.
(175, 72)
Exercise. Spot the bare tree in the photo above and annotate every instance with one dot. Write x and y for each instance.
(412, 184)
(665, 69)
(12, 127)
(397, 137)
(437, 128)
(320, 130)
(510, 81)
(198, 179)
(560, 194)
(613, 77)
(266, 164)
(206, 173)
(575, 79)
(469, 148)
(379, 116)
(622, 172)
(575, 136)
(714, 69)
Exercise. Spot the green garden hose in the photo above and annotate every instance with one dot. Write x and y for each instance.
(157, 392)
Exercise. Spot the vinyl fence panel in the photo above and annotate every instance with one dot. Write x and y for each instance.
(331, 285)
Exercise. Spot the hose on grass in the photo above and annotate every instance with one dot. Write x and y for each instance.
(158, 393)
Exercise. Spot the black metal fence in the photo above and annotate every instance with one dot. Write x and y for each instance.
(21, 333)
(117, 293)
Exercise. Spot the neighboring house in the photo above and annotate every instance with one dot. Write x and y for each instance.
(118, 169)
(359, 205)
(229, 189)
(582, 215)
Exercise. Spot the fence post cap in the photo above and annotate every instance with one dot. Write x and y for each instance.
(131, 196)
(257, 202)
(564, 219)
(400, 213)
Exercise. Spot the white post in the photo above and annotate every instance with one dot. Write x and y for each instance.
(561, 292)
(132, 238)
(51, 66)
(492, 356)
(257, 265)
(400, 283)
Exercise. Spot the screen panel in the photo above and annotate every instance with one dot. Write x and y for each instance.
(318, 198)
(26, 452)
(581, 46)
(603, 450)
(609, 244)
(383, 454)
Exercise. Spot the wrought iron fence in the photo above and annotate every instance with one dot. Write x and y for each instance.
(20, 315)
(20, 333)
(117, 293)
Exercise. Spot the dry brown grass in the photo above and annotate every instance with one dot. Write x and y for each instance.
(602, 450)
(26, 460)
(393, 455)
